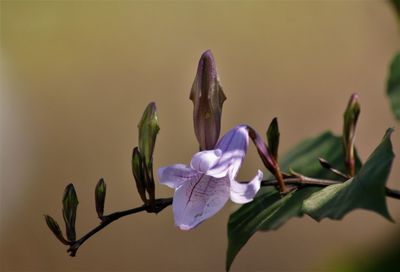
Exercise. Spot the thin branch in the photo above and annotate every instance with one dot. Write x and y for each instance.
(307, 181)
(300, 181)
(392, 193)
(160, 204)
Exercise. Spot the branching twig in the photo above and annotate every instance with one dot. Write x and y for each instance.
(160, 204)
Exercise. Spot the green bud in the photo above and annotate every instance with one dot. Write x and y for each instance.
(100, 197)
(70, 204)
(273, 138)
(148, 130)
(138, 173)
(207, 96)
(350, 118)
(55, 228)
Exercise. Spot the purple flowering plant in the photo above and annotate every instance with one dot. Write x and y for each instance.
(322, 177)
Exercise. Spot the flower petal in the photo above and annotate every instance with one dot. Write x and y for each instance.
(234, 147)
(175, 175)
(204, 160)
(198, 199)
(245, 192)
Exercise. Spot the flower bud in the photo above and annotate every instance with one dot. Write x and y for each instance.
(273, 138)
(100, 197)
(70, 204)
(55, 228)
(148, 130)
(138, 173)
(207, 97)
(269, 161)
(350, 118)
(265, 155)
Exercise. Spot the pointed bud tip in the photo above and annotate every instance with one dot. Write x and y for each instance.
(207, 66)
(353, 102)
(354, 97)
(152, 106)
(207, 54)
(324, 163)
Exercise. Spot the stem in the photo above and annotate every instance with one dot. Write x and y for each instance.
(392, 193)
(300, 181)
(160, 204)
(307, 181)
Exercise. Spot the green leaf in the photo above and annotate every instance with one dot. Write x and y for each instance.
(70, 205)
(269, 211)
(304, 157)
(365, 191)
(393, 85)
(396, 5)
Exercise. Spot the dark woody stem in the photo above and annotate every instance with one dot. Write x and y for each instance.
(162, 203)
(301, 181)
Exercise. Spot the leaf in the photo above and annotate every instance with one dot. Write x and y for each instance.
(269, 211)
(393, 85)
(396, 5)
(304, 157)
(365, 191)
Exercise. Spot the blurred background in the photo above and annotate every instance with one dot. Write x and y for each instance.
(77, 76)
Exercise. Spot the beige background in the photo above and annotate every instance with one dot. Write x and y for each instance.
(79, 75)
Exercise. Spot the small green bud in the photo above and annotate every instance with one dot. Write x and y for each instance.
(273, 138)
(55, 228)
(148, 130)
(350, 118)
(138, 173)
(70, 204)
(207, 96)
(100, 197)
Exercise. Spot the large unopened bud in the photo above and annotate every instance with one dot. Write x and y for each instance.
(207, 97)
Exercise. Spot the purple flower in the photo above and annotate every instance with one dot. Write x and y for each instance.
(203, 188)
